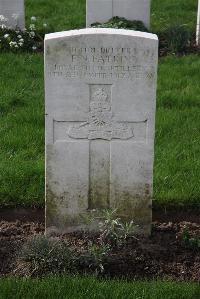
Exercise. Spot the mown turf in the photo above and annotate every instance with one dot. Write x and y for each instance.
(177, 151)
(68, 14)
(165, 13)
(21, 130)
(60, 14)
(91, 288)
(22, 111)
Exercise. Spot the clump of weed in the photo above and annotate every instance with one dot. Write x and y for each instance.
(43, 256)
(94, 259)
(114, 231)
(190, 242)
(177, 39)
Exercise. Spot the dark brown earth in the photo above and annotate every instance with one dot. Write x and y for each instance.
(162, 255)
(163, 215)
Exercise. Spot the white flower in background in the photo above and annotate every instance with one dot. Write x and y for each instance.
(21, 44)
(12, 44)
(34, 48)
(31, 33)
(19, 36)
(3, 19)
(6, 35)
(45, 25)
(32, 27)
(15, 16)
(3, 26)
(33, 19)
(21, 40)
(16, 46)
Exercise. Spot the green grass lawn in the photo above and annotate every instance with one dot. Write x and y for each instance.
(22, 130)
(68, 14)
(170, 12)
(91, 288)
(177, 154)
(177, 159)
(177, 150)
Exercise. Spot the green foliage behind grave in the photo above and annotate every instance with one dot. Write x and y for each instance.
(122, 23)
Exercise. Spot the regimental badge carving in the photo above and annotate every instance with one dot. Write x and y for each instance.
(101, 123)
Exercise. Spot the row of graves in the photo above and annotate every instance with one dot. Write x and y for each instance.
(97, 11)
(100, 94)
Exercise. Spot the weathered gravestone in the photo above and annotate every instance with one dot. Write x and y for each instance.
(100, 114)
(13, 11)
(198, 25)
(103, 10)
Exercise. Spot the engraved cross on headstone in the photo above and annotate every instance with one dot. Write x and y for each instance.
(101, 123)
(100, 128)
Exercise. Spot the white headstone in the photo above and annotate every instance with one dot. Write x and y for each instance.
(100, 116)
(13, 11)
(103, 10)
(198, 25)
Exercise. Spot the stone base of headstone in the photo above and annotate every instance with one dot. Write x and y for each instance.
(91, 221)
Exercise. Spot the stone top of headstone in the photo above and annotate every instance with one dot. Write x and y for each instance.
(98, 31)
(100, 89)
(103, 10)
(13, 11)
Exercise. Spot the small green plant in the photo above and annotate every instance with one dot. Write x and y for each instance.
(177, 39)
(193, 243)
(94, 258)
(41, 255)
(114, 231)
(122, 23)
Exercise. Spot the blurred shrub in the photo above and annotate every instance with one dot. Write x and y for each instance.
(122, 23)
(177, 39)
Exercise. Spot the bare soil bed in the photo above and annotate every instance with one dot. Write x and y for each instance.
(163, 255)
